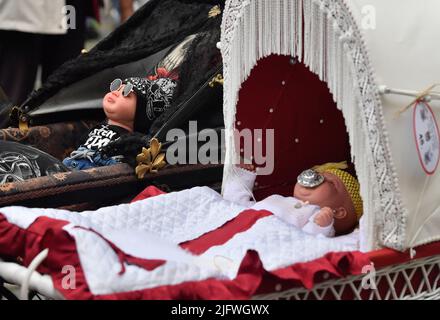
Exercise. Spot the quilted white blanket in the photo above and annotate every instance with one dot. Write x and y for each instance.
(153, 229)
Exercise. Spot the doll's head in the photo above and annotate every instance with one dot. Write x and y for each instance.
(330, 186)
(120, 105)
(154, 97)
(135, 102)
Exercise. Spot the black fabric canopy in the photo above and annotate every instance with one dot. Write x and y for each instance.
(156, 26)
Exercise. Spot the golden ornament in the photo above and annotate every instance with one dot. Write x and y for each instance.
(150, 160)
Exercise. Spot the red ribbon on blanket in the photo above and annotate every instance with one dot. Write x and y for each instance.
(125, 258)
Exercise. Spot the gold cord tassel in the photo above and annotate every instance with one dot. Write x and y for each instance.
(214, 12)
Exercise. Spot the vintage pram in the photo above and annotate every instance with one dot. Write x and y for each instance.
(167, 34)
(331, 90)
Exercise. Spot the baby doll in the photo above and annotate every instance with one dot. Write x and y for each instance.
(130, 106)
(326, 199)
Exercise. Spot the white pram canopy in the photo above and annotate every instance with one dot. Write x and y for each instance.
(359, 48)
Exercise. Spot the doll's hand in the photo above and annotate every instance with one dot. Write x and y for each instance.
(325, 217)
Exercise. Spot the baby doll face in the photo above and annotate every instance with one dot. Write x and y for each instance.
(333, 194)
(119, 108)
(328, 194)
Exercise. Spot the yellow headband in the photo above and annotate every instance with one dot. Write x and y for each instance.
(350, 183)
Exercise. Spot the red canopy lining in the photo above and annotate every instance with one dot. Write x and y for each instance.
(309, 129)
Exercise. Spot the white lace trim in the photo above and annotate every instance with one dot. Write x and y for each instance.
(334, 49)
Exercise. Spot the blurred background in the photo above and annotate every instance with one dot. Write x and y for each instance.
(33, 44)
(111, 14)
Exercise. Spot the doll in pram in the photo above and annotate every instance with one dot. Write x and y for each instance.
(130, 106)
(57, 118)
(324, 201)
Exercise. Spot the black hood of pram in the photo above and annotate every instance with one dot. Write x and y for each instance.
(156, 26)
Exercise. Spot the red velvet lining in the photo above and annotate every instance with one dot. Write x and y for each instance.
(303, 109)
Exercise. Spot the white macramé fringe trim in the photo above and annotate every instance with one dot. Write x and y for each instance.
(255, 29)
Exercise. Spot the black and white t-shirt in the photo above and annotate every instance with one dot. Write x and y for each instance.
(101, 135)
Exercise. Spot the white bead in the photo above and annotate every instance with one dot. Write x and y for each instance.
(238, 123)
(278, 287)
(321, 121)
(271, 110)
(283, 83)
(296, 140)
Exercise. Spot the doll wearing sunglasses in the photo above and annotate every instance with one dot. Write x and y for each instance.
(130, 106)
(325, 200)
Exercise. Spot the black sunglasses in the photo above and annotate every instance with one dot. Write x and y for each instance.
(117, 84)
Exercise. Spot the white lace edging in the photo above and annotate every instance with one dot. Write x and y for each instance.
(334, 49)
